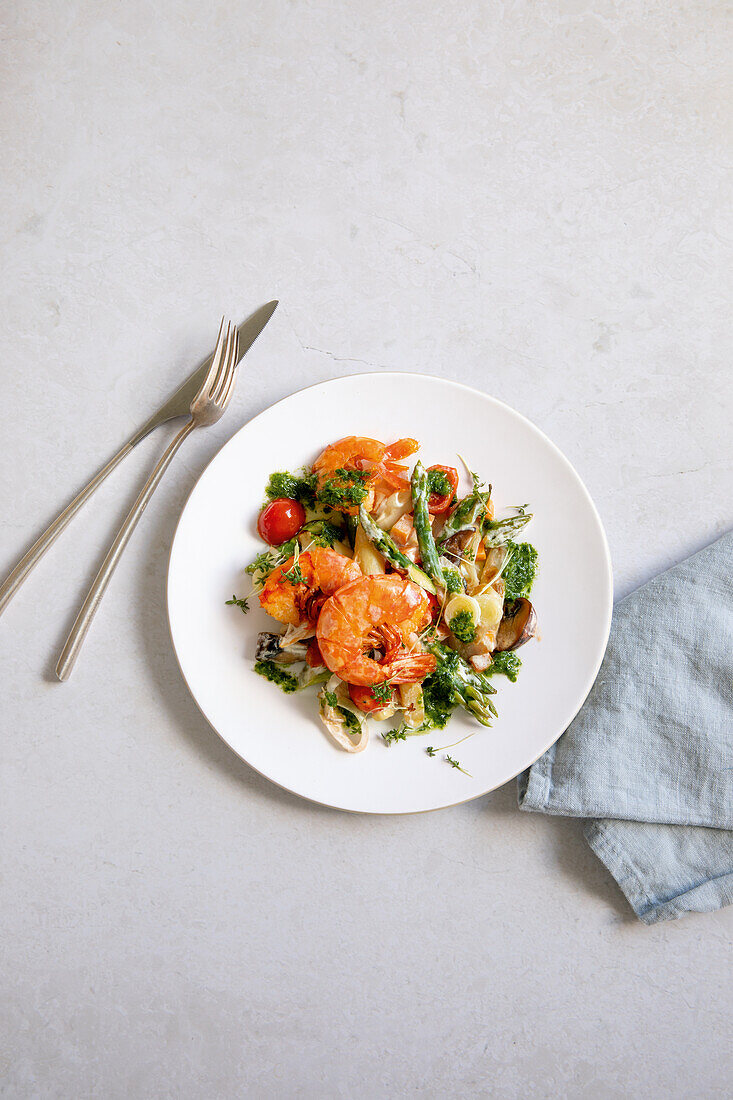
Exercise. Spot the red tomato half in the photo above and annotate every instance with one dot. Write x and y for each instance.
(362, 698)
(280, 520)
(441, 502)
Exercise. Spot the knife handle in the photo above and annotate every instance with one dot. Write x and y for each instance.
(88, 610)
(13, 582)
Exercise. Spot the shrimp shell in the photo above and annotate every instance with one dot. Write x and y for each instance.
(325, 572)
(383, 612)
(357, 452)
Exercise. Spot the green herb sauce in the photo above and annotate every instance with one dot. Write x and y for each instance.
(345, 488)
(438, 695)
(463, 626)
(283, 484)
(521, 570)
(506, 663)
(277, 675)
(453, 580)
(438, 483)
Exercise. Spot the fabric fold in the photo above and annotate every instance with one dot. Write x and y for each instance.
(650, 755)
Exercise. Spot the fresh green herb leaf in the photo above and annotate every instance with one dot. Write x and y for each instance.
(520, 571)
(244, 603)
(506, 663)
(430, 750)
(277, 675)
(264, 563)
(391, 736)
(295, 575)
(454, 764)
(382, 692)
(463, 626)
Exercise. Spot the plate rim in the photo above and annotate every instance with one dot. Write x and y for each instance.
(513, 412)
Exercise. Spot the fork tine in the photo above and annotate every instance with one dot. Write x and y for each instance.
(221, 363)
(233, 369)
(224, 399)
(216, 361)
(229, 356)
(230, 366)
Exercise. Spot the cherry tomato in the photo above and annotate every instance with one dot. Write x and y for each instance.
(313, 655)
(362, 698)
(280, 520)
(441, 502)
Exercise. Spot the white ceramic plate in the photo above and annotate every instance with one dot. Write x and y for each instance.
(281, 735)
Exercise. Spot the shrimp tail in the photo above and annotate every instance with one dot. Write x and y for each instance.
(411, 668)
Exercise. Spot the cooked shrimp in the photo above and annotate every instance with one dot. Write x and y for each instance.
(380, 462)
(378, 612)
(324, 572)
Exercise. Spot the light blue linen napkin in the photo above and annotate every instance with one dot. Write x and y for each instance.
(650, 756)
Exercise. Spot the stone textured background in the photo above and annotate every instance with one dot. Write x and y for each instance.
(527, 197)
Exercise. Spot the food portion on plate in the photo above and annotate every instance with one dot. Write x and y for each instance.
(397, 596)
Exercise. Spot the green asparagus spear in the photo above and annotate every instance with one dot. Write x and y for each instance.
(472, 690)
(386, 546)
(421, 520)
(497, 532)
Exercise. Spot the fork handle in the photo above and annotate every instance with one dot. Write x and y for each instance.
(13, 581)
(88, 609)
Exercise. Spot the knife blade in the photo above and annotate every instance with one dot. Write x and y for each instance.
(178, 404)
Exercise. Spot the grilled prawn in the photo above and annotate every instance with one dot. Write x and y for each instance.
(365, 456)
(292, 600)
(382, 613)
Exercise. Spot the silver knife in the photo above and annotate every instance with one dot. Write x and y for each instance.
(178, 404)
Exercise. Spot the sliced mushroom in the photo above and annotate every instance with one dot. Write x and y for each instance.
(457, 543)
(517, 626)
(270, 648)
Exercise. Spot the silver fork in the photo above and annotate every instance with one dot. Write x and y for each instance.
(207, 407)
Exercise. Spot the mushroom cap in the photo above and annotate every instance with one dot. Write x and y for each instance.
(517, 626)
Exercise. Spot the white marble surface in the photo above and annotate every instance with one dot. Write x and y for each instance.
(528, 197)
